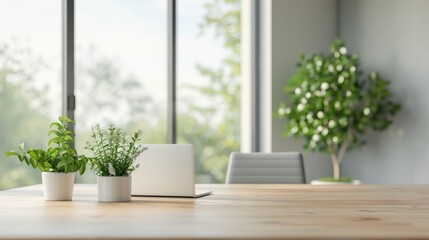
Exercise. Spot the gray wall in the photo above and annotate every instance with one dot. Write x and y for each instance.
(392, 37)
(298, 26)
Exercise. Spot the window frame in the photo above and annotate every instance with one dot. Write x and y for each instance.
(256, 91)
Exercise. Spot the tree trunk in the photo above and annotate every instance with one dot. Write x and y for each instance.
(338, 156)
(335, 167)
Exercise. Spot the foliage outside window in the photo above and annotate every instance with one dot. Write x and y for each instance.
(214, 130)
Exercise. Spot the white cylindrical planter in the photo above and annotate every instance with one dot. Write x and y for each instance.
(114, 189)
(58, 186)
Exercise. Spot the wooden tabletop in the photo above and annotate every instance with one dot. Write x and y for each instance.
(231, 212)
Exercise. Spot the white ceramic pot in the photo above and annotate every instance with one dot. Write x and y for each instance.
(58, 186)
(319, 182)
(114, 189)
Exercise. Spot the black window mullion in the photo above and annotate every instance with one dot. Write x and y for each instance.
(68, 66)
(171, 115)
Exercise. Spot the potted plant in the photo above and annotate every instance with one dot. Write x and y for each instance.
(114, 158)
(58, 163)
(331, 104)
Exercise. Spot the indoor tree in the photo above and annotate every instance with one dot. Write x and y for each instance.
(331, 103)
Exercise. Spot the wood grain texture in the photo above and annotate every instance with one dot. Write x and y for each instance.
(232, 212)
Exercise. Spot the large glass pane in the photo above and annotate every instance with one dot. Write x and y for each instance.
(121, 67)
(208, 83)
(30, 81)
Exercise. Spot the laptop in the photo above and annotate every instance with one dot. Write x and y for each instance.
(166, 170)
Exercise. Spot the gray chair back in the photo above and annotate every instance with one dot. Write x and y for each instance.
(267, 168)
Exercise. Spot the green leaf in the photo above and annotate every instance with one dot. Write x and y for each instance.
(62, 163)
(55, 124)
(21, 146)
(34, 155)
(11, 153)
(66, 168)
(40, 166)
(47, 165)
(68, 138)
(69, 132)
(33, 163)
(82, 168)
(52, 151)
(55, 132)
(53, 140)
(27, 159)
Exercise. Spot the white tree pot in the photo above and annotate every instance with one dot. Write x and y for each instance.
(58, 186)
(319, 182)
(114, 189)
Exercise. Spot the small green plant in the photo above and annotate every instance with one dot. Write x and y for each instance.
(331, 103)
(60, 156)
(114, 151)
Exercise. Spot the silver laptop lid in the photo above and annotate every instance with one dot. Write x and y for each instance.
(165, 170)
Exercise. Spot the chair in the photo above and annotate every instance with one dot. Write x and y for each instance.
(266, 168)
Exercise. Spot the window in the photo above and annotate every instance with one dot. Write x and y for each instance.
(121, 71)
(208, 83)
(30, 81)
(121, 67)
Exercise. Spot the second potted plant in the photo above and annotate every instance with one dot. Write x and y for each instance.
(114, 158)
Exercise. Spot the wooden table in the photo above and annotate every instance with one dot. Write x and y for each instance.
(232, 212)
